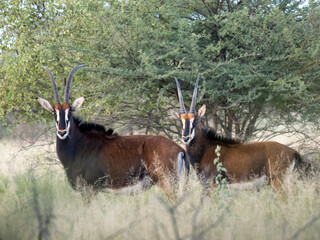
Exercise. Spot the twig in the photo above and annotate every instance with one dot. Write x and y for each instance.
(125, 229)
(303, 228)
(216, 223)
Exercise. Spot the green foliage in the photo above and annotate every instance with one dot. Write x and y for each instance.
(221, 192)
(3, 184)
(220, 181)
(251, 56)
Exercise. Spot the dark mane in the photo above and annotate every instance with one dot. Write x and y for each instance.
(212, 135)
(93, 127)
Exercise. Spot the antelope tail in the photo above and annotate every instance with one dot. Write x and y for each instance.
(182, 164)
(303, 166)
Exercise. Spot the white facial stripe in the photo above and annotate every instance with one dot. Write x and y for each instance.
(192, 131)
(67, 122)
(67, 113)
(68, 127)
(191, 123)
(183, 123)
(192, 135)
(58, 115)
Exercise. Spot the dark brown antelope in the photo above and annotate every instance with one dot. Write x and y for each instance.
(243, 161)
(106, 161)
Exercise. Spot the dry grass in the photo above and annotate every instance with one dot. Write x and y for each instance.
(36, 202)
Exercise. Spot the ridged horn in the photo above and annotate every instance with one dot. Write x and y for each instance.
(182, 107)
(194, 98)
(71, 73)
(54, 86)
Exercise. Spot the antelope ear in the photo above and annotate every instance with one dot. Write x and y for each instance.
(77, 103)
(175, 114)
(202, 111)
(45, 104)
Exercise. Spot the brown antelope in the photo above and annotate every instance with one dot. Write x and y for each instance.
(106, 161)
(243, 161)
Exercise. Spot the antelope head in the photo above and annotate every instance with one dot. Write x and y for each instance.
(62, 112)
(188, 120)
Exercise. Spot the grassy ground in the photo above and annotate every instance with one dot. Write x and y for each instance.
(36, 202)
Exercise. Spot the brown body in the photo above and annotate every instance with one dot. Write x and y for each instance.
(112, 161)
(96, 157)
(243, 161)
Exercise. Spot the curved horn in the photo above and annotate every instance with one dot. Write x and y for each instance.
(54, 86)
(66, 93)
(194, 98)
(182, 107)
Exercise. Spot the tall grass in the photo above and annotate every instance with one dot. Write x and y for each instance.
(36, 202)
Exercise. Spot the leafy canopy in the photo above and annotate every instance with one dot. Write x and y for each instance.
(256, 59)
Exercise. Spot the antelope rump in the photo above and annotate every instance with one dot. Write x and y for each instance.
(92, 155)
(243, 161)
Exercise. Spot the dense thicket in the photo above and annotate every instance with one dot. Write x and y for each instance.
(258, 60)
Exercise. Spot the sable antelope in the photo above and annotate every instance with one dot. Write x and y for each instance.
(242, 161)
(106, 161)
